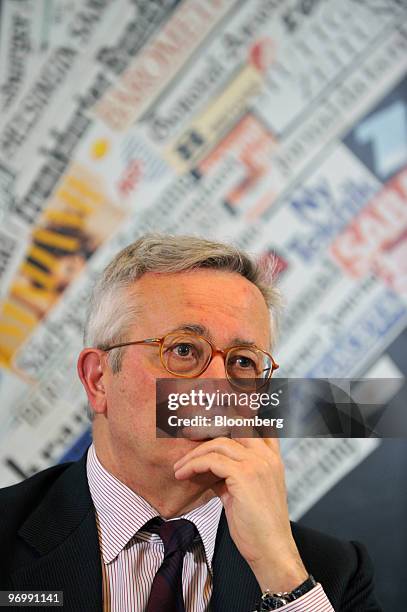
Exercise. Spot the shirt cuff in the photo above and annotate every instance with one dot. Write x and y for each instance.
(314, 600)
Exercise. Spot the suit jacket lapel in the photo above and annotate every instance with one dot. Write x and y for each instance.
(60, 544)
(234, 584)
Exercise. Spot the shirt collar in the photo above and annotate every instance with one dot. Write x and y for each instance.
(121, 512)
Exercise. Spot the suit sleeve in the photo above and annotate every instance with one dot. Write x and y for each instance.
(359, 595)
(343, 569)
(352, 594)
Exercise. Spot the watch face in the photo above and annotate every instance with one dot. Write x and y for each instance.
(280, 601)
(273, 602)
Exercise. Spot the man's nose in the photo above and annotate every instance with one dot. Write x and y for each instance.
(216, 368)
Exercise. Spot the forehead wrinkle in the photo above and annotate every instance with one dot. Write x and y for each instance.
(201, 330)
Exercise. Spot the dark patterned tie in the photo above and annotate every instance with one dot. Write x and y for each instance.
(166, 591)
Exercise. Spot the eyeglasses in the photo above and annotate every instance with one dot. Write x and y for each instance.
(188, 355)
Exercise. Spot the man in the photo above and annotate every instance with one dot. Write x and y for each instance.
(146, 523)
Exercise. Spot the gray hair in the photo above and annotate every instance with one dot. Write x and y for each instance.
(111, 314)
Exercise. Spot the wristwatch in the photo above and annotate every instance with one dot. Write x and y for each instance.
(273, 601)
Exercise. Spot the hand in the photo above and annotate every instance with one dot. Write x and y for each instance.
(248, 476)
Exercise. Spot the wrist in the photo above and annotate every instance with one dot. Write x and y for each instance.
(280, 575)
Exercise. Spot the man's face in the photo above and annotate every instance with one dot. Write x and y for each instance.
(229, 308)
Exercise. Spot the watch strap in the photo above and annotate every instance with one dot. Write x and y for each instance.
(273, 601)
(306, 586)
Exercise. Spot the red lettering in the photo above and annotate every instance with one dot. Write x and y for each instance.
(377, 226)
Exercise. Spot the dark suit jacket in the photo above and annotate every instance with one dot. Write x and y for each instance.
(49, 541)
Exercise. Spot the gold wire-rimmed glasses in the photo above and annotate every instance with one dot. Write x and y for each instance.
(188, 355)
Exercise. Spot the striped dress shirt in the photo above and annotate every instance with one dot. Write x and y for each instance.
(131, 556)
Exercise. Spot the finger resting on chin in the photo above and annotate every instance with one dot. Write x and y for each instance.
(223, 446)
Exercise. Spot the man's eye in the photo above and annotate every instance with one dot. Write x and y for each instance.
(244, 362)
(183, 350)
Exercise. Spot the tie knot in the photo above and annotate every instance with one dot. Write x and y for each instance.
(176, 535)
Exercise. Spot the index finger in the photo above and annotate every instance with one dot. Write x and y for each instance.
(257, 443)
(273, 443)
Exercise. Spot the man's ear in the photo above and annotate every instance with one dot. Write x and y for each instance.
(91, 370)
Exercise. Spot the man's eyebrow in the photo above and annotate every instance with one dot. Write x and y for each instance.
(201, 330)
(241, 342)
(194, 328)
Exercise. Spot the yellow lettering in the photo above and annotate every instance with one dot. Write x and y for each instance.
(73, 201)
(28, 294)
(42, 256)
(18, 313)
(64, 218)
(68, 243)
(37, 275)
(83, 188)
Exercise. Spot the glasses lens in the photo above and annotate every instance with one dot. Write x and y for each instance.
(185, 354)
(248, 368)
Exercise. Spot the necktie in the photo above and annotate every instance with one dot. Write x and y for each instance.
(166, 591)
